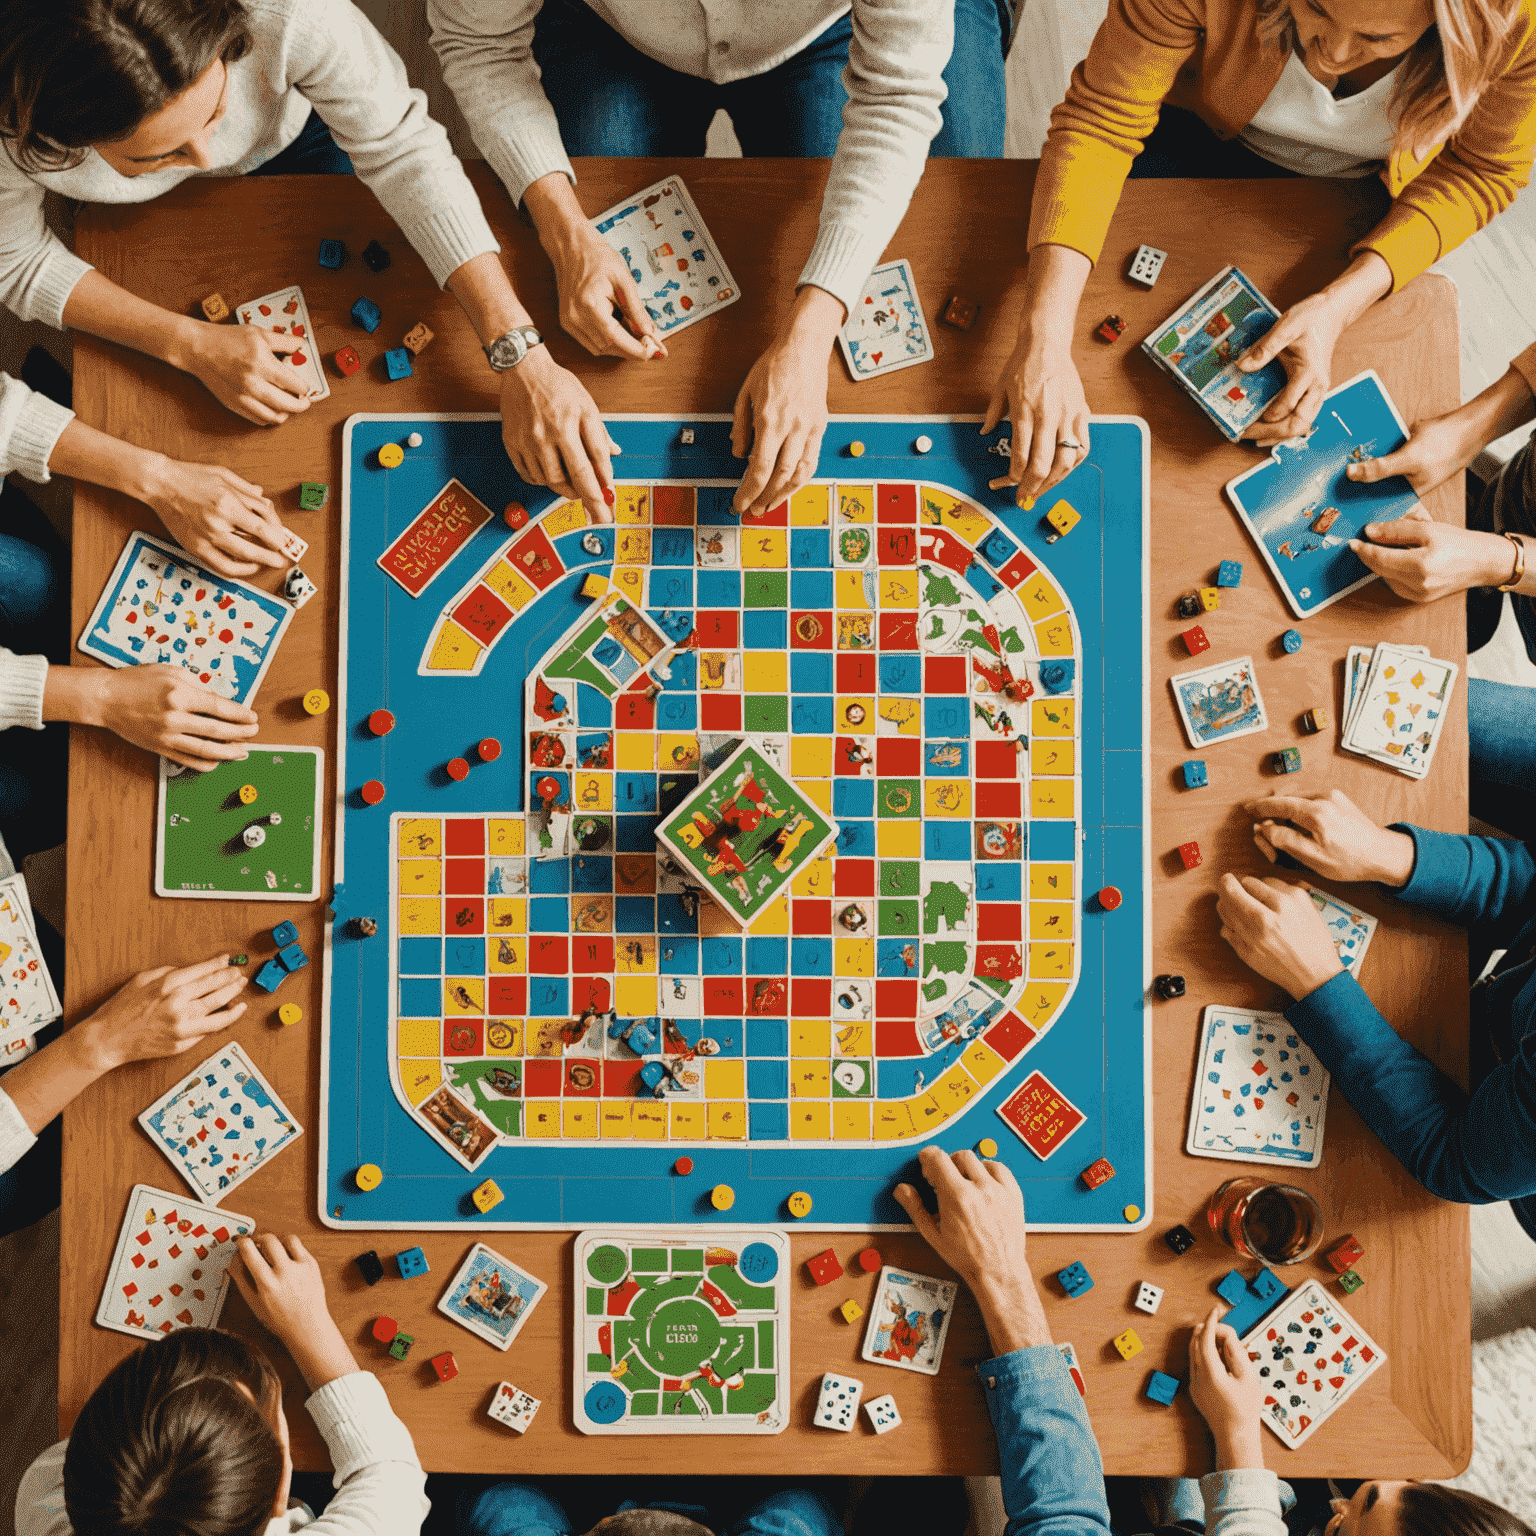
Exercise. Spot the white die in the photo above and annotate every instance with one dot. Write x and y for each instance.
(513, 1407)
(883, 1413)
(1146, 264)
(298, 588)
(1148, 1297)
(838, 1405)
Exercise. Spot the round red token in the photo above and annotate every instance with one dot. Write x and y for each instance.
(381, 722)
(1110, 898)
(683, 1167)
(489, 750)
(548, 788)
(870, 1260)
(372, 792)
(608, 495)
(515, 515)
(458, 768)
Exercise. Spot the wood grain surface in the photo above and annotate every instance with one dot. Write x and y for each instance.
(965, 231)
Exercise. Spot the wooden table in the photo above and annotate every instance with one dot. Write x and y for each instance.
(964, 231)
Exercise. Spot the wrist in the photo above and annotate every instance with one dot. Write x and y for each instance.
(1237, 1449)
(319, 1351)
(180, 342)
(1366, 279)
(815, 317)
(1395, 858)
(75, 694)
(1011, 1313)
(91, 1048)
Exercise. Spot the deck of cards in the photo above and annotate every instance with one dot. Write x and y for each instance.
(1395, 700)
(1351, 929)
(491, 1296)
(887, 329)
(286, 314)
(27, 996)
(1219, 702)
(909, 1321)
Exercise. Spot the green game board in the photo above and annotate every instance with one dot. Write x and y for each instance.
(682, 1332)
(200, 819)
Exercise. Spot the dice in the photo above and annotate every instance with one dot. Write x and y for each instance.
(1168, 988)
(825, 1267)
(298, 588)
(1287, 760)
(1195, 775)
(884, 1416)
(1345, 1254)
(1189, 855)
(513, 1407)
(445, 1365)
(1149, 1298)
(347, 361)
(1162, 1388)
(411, 1262)
(1074, 1279)
(1097, 1173)
(1128, 1344)
(1195, 641)
(1229, 573)
(1179, 1238)
(1210, 597)
(1146, 264)
(838, 1405)
(1189, 606)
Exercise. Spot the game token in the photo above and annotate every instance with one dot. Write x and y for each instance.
(372, 792)
(362, 927)
(369, 1176)
(515, 515)
(1180, 1239)
(1315, 720)
(487, 1197)
(402, 1346)
(1351, 1282)
(960, 312)
(986, 1147)
(488, 749)
(1162, 1388)
(685, 437)
(1287, 760)
(1189, 606)
(375, 257)
(824, 1267)
(332, 254)
(592, 543)
(924, 445)
(370, 1266)
(247, 794)
(239, 959)
(457, 768)
(414, 440)
(851, 1311)
(381, 722)
(391, 456)
(547, 788)
(290, 1013)
(856, 449)
(316, 701)
(1168, 987)
(1100, 1172)
(799, 1204)
(683, 1167)
(254, 837)
(722, 1197)
(870, 1260)
(445, 1366)
(1291, 640)
(1132, 1213)
(1109, 898)
(1111, 328)
(1128, 1344)
(385, 1329)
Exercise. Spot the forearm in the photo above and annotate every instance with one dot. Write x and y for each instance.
(321, 1354)
(1012, 1313)
(99, 307)
(559, 219)
(1366, 279)
(485, 294)
(1237, 1449)
(47, 1081)
(1057, 277)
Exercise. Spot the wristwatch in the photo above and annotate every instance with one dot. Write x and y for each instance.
(508, 350)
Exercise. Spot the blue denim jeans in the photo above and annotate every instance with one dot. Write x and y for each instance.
(611, 99)
(519, 1509)
(313, 153)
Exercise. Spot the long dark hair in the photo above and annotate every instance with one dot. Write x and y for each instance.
(79, 72)
(1429, 1509)
(168, 1445)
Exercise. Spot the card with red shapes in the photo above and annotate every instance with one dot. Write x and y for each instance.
(1040, 1115)
(286, 314)
(443, 527)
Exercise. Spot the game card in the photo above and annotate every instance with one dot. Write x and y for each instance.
(286, 313)
(171, 1266)
(491, 1296)
(1351, 928)
(1312, 1355)
(909, 1321)
(886, 330)
(675, 263)
(456, 1126)
(1040, 1115)
(159, 606)
(1219, 702)
(220, 1124)
(27, 996)
(1260, 1094)
(442, 528)
(1402, 707)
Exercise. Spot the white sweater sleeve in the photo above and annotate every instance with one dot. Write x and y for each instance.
(1247, 1502)
(38, 272)
(30, 425)
(22, 680)
(40, 1496)
(358, 85)
(486, 50)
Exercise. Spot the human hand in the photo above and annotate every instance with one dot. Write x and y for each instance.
(241, 365)
(283, 1287)
(1436, 449)
(1303, 338)
(554, 434)
(1422, 560)
(1331, 834)
(163, 1012)
(593, 281)
(1228, 1391)
(218, 518)
(164, 710)
(1277, 932)
(1040, 393)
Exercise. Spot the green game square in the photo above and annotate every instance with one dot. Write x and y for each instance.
(201, 820)
(765, 1345)
(648, 1261)
(597, 1301)
(899, 877)
(504, 1113)
(898, 799)
(596, 1362)
(840, 1090)
(947, 957)
(764, 712)
(896, 919)
(645, 1404)
(765, 589)
(687, 1261)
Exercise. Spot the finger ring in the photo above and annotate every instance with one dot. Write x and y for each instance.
(1067, 442)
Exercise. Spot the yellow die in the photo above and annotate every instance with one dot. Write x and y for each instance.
(594, 586)
(1063, 517)
(1128, 1344)
(1210, 598)
(851, 1311)
(487, 1197)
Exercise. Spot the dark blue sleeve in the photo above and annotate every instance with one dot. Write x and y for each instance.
(1479, 882)
(1471, 1149)
(1053, 1479)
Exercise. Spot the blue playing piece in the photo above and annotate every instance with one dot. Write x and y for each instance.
(366, 313)
(292, 957)
(284, 934)
(1267, 1285)
(270, 977)
(1056, 676)
(653, 1074)
(1232, 1287)
(1162, 1388)
(397, 363)
(1074, 1279)
(1229, 573)
(412, 1262)
(1194, 774)
(1291, 640)
(332, 254)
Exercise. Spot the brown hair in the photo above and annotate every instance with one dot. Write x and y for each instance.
(651, 1522)
(168, 1444)
(79, 72)
(1441, 77)
(1431, 1509)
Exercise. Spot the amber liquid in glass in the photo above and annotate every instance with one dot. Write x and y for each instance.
(1271, 1222)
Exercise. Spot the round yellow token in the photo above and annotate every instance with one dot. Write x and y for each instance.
(722, 1197)
(987, 1147)
(316, 701)
(391, 456)
(856, 449)
(799, 1203)
(1132, 1213)
(247, 794)
(369, 1176)
(289, 1013)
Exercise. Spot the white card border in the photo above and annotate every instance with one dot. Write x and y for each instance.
(1211, 666)
(488, 1334)
(872, 1327)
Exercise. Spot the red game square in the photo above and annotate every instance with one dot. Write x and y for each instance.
(849, 757)
(591, 953)
(857, 672)
(718, 629)
(1017, 571)
(811, 996)
(634, 712)
(541, 1078)
(996, 760)
(673, 506)
(583, 1080)
(999, 962)
(594, 992)
(1010, 1036)
(810, 919)
(854, 877)
(1000, 799)
(898, 631)
(898, 757)
(723, 996)
(999, 921)
(774, 517)
(1041, 1115)
(464, 835)
(811, 631)
(896, 546)
(547, 954)
(509, 996)
(945, 674)
(464, 877)
(482, 614)
(769, 997)
(940, 547)
(466, 916)
(462, 1037)
(720, 711)
(533, 557)
(897, 504)
(621, 1079)
(895, 998)
(896, 1037)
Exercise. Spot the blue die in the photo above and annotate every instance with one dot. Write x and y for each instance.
(397, 363)
(332, 254)
(1291, 640)
(1194, 774)
(412, 1262)
(366, 314)
(1162, 1388)
(284, 935)
(1075, 1279)
(292, 957)
(1229, 573)
(270, 977)
(1232, 1287)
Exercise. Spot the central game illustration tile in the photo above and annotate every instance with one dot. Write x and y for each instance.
(772, 849)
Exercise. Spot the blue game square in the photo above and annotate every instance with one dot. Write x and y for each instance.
(947, 759)
(810, 588)
(714, 507)
(1052, 841)
(464, 957)
(896, 1077)
(634, 914)
(946, 839)
(549, 914)
(548, 996)
(635, 834)
(810, 548)
(671, 546)
(853, 797)
(591, 872)
(673, 917)
(421, 999)
(987, 586)
(675, 623)
(767, 957)
(634, 792)
(726, 1033)
(947, 715)
(767, 1080)
(891, 959)
(811, 957)
(719, 589)
(901, 674)
(594, 711)
(421, 957)
(764, 629)
(810, 671)
(672, 587)
(997, 549)
(767, 1037)
(549, 877)
(679, 956)
(768, 1122)
(811, 714)
(999, 882)
(683, 670)
(721, 956)
(856, 839)
(677, 712)
(572, 554)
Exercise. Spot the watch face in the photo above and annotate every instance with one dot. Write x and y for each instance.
(509, 350)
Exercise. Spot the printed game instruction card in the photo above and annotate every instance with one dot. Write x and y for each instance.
(1395, 710)
(491, 1296)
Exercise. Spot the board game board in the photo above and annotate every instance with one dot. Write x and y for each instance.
(550, 1000)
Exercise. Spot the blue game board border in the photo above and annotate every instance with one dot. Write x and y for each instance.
(334, 1194)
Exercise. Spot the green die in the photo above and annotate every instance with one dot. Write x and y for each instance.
(402, 1346)
(1351, 1282)
(1287, 761)
(313, 495)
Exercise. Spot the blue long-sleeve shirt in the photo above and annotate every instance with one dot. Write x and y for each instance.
(1477, 1147)
(1053, 1479)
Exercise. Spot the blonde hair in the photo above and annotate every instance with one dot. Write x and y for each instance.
(1441, 77)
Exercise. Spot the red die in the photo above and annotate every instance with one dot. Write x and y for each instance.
(1111, 329)
(348, 361)
(1098, 1173)
(1190, 853)
(825, 1267)
(516, 515)
(1195, 639)
(385, 1329)
(445, 1365)
(1345, 1255)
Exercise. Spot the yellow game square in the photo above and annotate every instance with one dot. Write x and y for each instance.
(810, 1037)
(982, 1062)
(592, 914)
(504, 1037)
(630, 580)
(419, 914)
(634, 751)
(1051, 798)
(850, 1120)
(764, 672)
(504, 837)
(725, 1079)
(810, 1079)
(855, 715)
(727, 1122)
(544, 1037)
(507, 914)
(419, 1079)
(771, 922)
(678, 749)
(633, 504)
(507, 953)
(1039, 1002)
(893, 1120)
(764, 548)
(1050, 882)
(1049, 758)
(464, 996)
(818, 792)
(946, 797)
(856, 503)
(1054, 637)
(614, 1119)
(541, 1119)
(634, 997)
(649, 1121)
(566, 518)
(510, 585)
(853, 957)
(714, 923)
(903, 714)
(1039, 597)
(899, 839)
(898, 588)
(592, 791)
(419, 1037)
(928, 1114)
(420, 877)
(810, 1121)
(855, 1040)
(1050, 960)
(941, 509)
(421, 836)
(633, 547)
(690, 1122)
(815, 879)
(810, 757)
(1054, 717)
(1052, 920)
(580, 1118)
(810, 507)
(453, 650)
(853, 591)
(955, 1089)
(635, 955)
